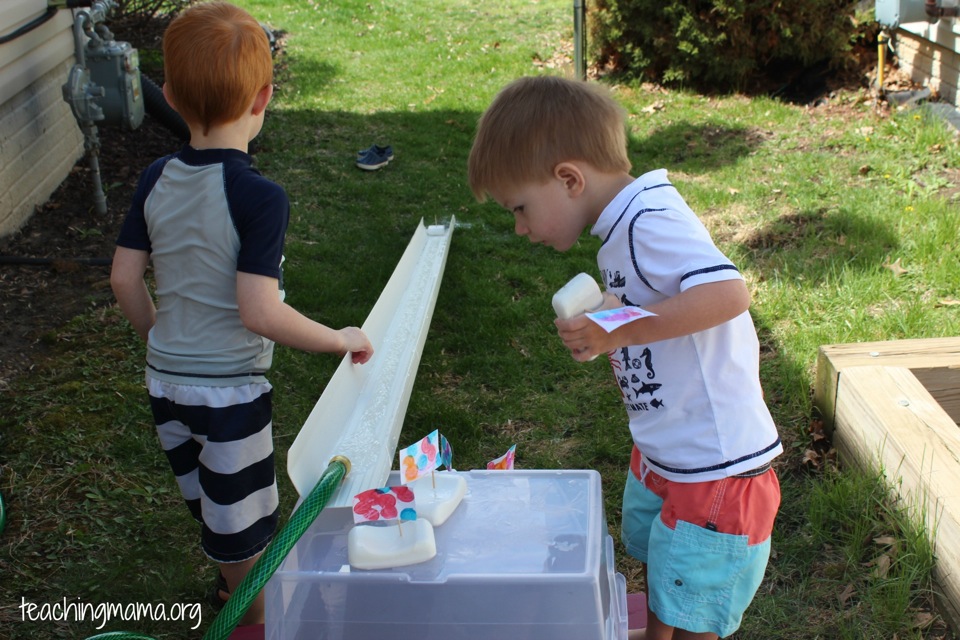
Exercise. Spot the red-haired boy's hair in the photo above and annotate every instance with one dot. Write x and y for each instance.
(216, 57)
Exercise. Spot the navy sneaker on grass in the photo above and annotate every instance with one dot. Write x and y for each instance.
(374, 158)
(384, 151)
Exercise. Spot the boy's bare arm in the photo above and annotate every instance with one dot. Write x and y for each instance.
(262, 312)
(130, 289)
(696, 309)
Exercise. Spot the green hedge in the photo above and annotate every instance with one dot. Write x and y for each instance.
(140, 9)
(724, 44)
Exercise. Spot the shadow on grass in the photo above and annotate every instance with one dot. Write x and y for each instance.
(319, 73)
(819, 245)
(693, 148)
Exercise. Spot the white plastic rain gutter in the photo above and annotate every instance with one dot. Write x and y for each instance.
(361, 411)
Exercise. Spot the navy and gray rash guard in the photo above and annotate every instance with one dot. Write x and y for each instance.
(204, 215)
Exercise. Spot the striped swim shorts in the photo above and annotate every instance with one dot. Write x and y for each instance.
(219, 443)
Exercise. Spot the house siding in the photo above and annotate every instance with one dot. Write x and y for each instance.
(930, 54)
(40, 140)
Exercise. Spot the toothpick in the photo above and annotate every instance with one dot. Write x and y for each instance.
(399, 528)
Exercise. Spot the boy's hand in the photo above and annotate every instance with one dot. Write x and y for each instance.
(695, 309)
(584, 337)
(357, 344)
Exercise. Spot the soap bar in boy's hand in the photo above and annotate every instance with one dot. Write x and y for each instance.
(578, 296)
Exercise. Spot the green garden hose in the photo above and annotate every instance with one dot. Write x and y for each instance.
(277, 550)
(265, 566)
(3, 514)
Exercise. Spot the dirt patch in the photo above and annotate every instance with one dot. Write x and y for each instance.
(57, 265)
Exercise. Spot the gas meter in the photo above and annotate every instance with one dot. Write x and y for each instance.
(115, 66)
(104, 84)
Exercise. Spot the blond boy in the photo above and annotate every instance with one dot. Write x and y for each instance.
(700, 497)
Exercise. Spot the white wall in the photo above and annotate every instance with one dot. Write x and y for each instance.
(931, 55)
(39, 137)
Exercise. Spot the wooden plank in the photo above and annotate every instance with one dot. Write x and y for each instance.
(920, 353)
(887, 421)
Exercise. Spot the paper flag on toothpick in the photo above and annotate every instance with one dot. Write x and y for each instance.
(420, 458)
(610, 319)
(386, 503)
(505, 461)
(446, 453)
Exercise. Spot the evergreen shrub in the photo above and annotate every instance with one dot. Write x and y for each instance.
(145, 9)
(722, 44)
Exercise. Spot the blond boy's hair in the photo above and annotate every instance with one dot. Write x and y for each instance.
(535, 123)
(216, 58)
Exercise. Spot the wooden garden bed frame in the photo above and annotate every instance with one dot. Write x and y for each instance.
(894, 408)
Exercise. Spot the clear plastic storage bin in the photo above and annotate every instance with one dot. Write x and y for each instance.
(525, 556)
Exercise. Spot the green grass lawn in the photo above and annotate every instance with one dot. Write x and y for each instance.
(843, 218)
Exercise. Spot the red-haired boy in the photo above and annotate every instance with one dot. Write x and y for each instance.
(214, 229)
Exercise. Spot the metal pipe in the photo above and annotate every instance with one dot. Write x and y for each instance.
(91, 144)
(881, 59)
(935, 10)
(579, 38)
(85, 24)
(78, 41)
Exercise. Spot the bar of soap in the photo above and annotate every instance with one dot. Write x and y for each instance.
(384, 547)
(438, 495)
(578, 296)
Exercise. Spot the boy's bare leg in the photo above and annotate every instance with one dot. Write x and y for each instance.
(234, 572)
(657, 630)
